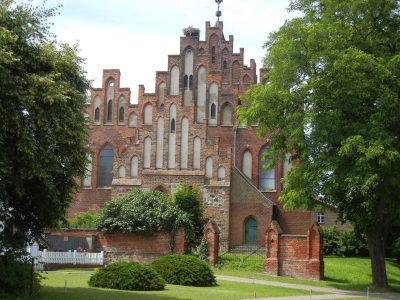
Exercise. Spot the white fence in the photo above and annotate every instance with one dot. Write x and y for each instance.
(70, 257)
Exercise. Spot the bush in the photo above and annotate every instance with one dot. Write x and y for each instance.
(204, 249)
(84, 220)
(140, 211)
(184, 270)
(130, 276)
(331, 240)
(15, 279)
(348, 243)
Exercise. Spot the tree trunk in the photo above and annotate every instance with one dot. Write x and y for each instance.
(376, 246)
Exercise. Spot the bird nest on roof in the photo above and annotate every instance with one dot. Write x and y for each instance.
(191, 31)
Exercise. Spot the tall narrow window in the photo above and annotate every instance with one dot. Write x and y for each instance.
(121, 115)
(110, 99)
(213, 111)
(267, 176)
(185, 82)
(121, 109)
(184, 143)
(161, 93)
(247, 164)
(147, 153)
(196, 153)
(209, 167)
(172, 138)
(173, 126)
(87, 180)
(174, 86)
(221, 173)
(109, 111)
(213, 54)
(191, 82)
(160, 143)
(106, 166)
(201, 95)
(227, 115)
(148, 114)
(97, 114)
(134, 166)
(225, 69)
(213, 102)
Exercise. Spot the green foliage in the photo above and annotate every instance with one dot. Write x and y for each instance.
(333, 101)
(189, 200)
(204, 249)
(184, 270)
(43, 131)
(151, 211)
(84, 220)
(130, 276)
(395, 249)
(141, 211)
(347, 243)
(15, 279)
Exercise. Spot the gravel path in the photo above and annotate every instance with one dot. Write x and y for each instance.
(333, 293)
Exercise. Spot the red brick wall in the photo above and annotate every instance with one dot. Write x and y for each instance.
(131, 246)
(297, 256)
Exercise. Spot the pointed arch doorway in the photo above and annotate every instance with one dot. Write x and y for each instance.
(251, 230)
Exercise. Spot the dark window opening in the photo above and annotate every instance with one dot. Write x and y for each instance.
(97, 114)
(121, 115)
(213, 111)
(213, 54)
(173, 126)
(109, 111)
(191, 82)
(106, 166)
(225, 69)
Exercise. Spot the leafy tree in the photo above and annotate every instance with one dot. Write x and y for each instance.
(43, 131)
(189, 199)
(332, 99)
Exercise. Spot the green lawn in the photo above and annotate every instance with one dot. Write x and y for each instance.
(78, 289)
(342, 273)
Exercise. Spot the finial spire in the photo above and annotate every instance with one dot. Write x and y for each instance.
(218, 12)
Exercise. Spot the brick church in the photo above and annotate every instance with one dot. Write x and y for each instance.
(187, 131)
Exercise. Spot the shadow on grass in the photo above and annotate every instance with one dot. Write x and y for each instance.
(50, 293)
(335, 280)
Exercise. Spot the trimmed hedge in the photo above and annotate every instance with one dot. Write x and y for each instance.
(130, 276)
(185, 270)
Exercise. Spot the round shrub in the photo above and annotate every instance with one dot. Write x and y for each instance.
(130, 276)
(184, 270)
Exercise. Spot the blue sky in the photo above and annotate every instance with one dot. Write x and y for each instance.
(136, 36)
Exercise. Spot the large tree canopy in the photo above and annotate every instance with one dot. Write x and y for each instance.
(43, 131)
(332, 98)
